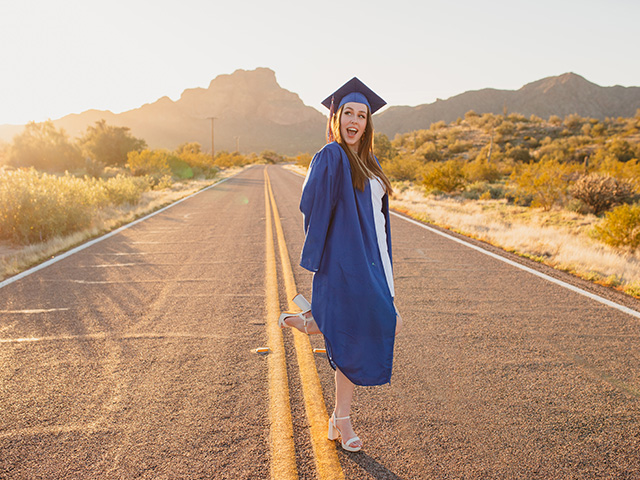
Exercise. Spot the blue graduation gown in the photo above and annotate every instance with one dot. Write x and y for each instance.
(351, 303)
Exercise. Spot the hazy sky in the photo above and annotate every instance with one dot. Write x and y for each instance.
(67, 56)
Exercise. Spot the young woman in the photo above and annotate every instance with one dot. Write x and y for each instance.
(345, 202)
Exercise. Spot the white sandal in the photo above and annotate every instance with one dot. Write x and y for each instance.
(285, 315)
(303, 304)
(334, 433)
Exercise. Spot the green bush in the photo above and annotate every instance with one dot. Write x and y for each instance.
(179, 168)
(620, 227)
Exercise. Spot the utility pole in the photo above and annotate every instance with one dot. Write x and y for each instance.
(237, 144)
(213, 152)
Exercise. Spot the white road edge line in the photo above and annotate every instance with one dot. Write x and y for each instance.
(568, 286)
(64, 255)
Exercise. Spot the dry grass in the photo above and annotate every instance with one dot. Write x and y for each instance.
(557, 238)
(14, 260)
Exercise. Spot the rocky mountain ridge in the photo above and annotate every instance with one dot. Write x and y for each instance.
(253, 112)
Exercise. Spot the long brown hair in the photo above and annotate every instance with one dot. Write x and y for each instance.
(363, 164)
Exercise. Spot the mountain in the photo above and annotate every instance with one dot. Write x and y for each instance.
(562, 95)
(251, 108)
(249, 105)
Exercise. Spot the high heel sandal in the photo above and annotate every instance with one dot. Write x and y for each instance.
(334, 433)
(303, 304)
(285, 315)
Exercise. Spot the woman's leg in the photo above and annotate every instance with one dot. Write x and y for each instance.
(344, 395)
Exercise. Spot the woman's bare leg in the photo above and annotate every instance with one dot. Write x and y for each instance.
(398, 323)
(344, 395)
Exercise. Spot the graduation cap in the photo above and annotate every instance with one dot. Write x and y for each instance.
(354, 91)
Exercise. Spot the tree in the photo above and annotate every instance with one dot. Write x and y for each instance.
(382, 147)
(110, 145)
(43, 147)
(269, 156)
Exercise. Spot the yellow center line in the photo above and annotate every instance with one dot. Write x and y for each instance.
(283, 455)
(327, 463)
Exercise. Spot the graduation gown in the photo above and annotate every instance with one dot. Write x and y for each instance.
(351, 303)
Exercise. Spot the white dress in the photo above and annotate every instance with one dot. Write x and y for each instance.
(377, 193)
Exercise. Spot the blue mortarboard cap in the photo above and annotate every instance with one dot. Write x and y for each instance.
(354, 91)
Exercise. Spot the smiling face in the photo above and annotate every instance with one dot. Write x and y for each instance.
(353, 122)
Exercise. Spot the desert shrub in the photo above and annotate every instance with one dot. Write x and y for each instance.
(459, 146)
(403, 167)
(94, 168)
(201, 163)
(600, 192)
(544, 182)
(227, 160)
(506, 128)
(163, 182)
(555, 120)
(148, 162)
(622, 150)
(519, 154)
(179, 168)
(429, 152)
(573, 121)
(447, 177)
(303, 159)
(36, 206)
(620, 227)
(597, 129)
(629, 171)
(480, 170)
(124, 189)
(483, 191)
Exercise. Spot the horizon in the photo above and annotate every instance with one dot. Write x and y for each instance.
(321, 110)
(76, 57)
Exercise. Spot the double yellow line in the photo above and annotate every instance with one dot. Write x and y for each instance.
(283, 461)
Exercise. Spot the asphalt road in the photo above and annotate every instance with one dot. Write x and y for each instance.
(132, 359)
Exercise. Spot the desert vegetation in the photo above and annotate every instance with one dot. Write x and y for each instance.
(56, 191)
(490, 175)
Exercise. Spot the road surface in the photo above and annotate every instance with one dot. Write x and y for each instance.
(134, 358)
